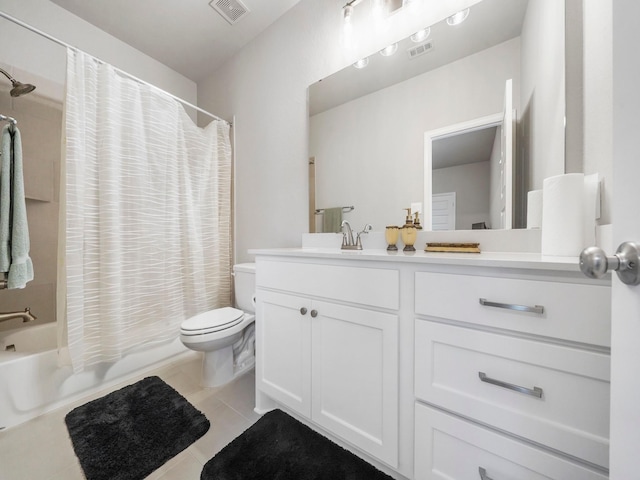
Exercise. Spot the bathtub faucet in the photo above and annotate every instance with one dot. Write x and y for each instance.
(26, 316)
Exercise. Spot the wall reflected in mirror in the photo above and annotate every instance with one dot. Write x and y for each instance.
(367, 126)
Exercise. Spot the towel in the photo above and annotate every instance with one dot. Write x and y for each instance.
(332, 220)
(5, 199)
(21, 267)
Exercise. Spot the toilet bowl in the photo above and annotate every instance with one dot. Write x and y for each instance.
(225, 335)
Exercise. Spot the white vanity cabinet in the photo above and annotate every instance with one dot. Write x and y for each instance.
(323, 355)
(521, 354)
(440, 366)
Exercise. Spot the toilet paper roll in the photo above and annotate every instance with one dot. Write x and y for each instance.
(534, 209)
(563, 215)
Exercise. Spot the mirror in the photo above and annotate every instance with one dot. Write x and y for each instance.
(368, 126)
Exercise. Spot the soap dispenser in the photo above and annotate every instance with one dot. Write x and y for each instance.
(416, 221)
(408, 220)
(408, 233)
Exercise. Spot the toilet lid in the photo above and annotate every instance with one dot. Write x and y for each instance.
(212, 320)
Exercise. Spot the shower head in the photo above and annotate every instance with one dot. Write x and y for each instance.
(19, 88)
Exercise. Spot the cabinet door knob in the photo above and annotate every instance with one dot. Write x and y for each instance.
(303, 311)
(314, 313)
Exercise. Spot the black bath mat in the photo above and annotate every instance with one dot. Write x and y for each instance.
(131, 432)
(278, 447)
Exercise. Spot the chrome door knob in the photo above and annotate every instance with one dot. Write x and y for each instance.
(595, 263)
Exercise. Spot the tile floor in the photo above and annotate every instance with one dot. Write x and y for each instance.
(41, 450)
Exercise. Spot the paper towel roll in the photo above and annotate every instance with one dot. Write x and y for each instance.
(563, 215)
(534, 209)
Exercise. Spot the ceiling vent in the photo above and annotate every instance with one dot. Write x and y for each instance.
(420, 49)
(231, 10)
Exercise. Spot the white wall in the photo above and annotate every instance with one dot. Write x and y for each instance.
(542, 90)
(598, 97)
(265, 87)
(471, 184)
(27, 51)
(370, 152)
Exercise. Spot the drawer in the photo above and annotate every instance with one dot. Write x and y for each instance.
(448, 447)
(575, 312)
(376, 287)
(571, 413)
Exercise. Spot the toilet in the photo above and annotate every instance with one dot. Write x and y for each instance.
(226, 335)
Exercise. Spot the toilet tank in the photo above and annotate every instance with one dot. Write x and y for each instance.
(244, 278)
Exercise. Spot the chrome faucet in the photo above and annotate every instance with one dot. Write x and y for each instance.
(347, 237)
(26, 316)
(348, 242)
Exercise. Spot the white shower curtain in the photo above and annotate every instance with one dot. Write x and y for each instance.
(146, 237)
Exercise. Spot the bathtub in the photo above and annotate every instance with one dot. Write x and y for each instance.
(32, 383)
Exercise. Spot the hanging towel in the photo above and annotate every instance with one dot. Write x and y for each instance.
(5, 199)
(332, 220)
(21, 268)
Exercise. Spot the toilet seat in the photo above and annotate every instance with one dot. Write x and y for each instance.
(211, 321)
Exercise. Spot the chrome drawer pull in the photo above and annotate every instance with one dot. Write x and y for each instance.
(483, 474)
(535, 392)
(539, 309)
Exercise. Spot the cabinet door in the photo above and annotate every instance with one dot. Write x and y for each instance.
(355, 377)
(283, 351)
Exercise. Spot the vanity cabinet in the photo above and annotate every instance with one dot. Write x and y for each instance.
(325, 356)
(508, 354)
(440, 366)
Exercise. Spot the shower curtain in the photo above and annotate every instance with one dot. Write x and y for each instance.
(146, 238)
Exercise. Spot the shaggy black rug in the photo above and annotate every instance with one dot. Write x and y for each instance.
(129, 433)
(278, 447)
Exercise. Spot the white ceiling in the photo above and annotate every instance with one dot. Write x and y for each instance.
(490, 22)
(187, 35)
(463, 148)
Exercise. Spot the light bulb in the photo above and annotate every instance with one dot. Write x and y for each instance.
(458, 18)
(421, 35)
(347, 13)
(378, 8)
(390, 50)
(363, 62)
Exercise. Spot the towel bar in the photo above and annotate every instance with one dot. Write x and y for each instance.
(320, 211)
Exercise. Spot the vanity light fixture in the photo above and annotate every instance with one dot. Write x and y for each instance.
(378, 8)
(458, 18)
(390, 50)
(421, 35)
(347, 13)
(363, 62)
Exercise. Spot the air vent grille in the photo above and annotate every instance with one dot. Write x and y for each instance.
(420, 49)
(231, 10)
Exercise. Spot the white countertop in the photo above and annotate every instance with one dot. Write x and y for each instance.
(484, 259)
